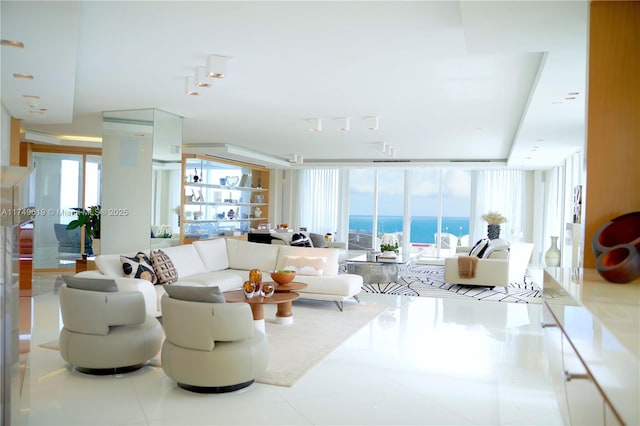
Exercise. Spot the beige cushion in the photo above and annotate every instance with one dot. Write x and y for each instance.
(91, 284)
(195, 294)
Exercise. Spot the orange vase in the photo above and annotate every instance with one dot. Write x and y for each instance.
(255, 275)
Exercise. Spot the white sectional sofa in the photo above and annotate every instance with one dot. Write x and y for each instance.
(226, 263)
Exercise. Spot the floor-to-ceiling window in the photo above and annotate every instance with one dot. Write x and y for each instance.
(437, 202)
(440, 206)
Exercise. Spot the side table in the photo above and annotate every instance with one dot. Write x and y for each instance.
(88, 264)
(284, 315)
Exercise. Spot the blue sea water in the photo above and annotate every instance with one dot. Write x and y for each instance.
(423, 228)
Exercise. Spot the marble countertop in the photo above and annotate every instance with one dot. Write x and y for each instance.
(615, 306)
(602, 320)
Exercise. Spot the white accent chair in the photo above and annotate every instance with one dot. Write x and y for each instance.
(107, 332)
(211, 347)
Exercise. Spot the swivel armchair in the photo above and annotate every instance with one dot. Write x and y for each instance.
(107, 332)
(211, 347)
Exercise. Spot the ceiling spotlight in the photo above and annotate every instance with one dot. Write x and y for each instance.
(216, 66)
(295, 158)
(372, 122)
(201, 77)
(24, 76)
(189, 88)
(343, 124)
(315, 125)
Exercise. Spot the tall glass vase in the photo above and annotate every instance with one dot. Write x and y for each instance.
(552, 256)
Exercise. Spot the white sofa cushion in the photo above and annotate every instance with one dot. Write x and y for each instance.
(344, 285)
(226, 280)
(331, 254)
(109, 264)
(213, 253)
(246, 256)
(186, 260)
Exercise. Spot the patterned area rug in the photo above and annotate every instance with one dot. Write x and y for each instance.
(428, 281)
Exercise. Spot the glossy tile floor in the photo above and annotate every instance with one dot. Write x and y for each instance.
(425, 361)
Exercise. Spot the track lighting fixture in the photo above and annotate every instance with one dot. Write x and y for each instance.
(315, 125)
(216, 66)
(343, 124)
(189, 88)
(201, 77)
(373, 122)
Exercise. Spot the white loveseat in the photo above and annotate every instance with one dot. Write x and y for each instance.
(226, 263)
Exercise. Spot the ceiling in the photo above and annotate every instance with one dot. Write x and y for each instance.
(482, 84)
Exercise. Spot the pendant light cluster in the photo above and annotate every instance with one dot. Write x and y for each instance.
(203, 76)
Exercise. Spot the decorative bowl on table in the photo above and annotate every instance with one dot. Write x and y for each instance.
(282, 276)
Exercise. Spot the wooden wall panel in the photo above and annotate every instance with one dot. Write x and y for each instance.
(613, 116)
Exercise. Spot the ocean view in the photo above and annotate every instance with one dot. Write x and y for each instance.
(423, 228)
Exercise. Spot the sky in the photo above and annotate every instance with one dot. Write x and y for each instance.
(456, 192)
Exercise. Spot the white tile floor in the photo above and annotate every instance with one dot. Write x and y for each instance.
(425, 361)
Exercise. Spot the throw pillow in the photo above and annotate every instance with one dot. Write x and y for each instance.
(479, 248)
(138, 266)
(163, 267)
(305, 265)
(497, 244)
(195, 294)
(300, 239)
(91, 284)
(317, 240)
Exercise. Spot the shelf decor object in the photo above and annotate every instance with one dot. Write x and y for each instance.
(226, 196)
(616, 245)
(552, 255)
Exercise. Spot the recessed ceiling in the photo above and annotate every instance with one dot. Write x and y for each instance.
(473, 82)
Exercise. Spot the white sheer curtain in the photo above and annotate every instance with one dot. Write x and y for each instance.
(502, 191)
(318, 195)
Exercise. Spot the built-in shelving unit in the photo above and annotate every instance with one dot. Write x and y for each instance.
(222, 198)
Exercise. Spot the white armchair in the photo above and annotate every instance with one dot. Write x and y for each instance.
(107, 332)
(490, 272)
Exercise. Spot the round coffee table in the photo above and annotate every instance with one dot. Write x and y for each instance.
(257, 304)
(285, 313)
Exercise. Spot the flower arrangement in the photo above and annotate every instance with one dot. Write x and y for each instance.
(163, 231)
(493, 218)
(389, 242)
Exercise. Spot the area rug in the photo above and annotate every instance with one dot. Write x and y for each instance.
(428, 281)
(318, 329)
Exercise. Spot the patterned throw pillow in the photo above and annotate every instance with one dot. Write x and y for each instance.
(300, 239)
(163, 267)
(479, 248)
(138, 266)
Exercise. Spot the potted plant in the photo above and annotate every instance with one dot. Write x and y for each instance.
(494, 220)
(90, 219)
(389, 245)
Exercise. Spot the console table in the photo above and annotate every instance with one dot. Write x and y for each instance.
(592, 340)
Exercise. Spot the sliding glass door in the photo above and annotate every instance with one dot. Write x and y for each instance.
(60, 183)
